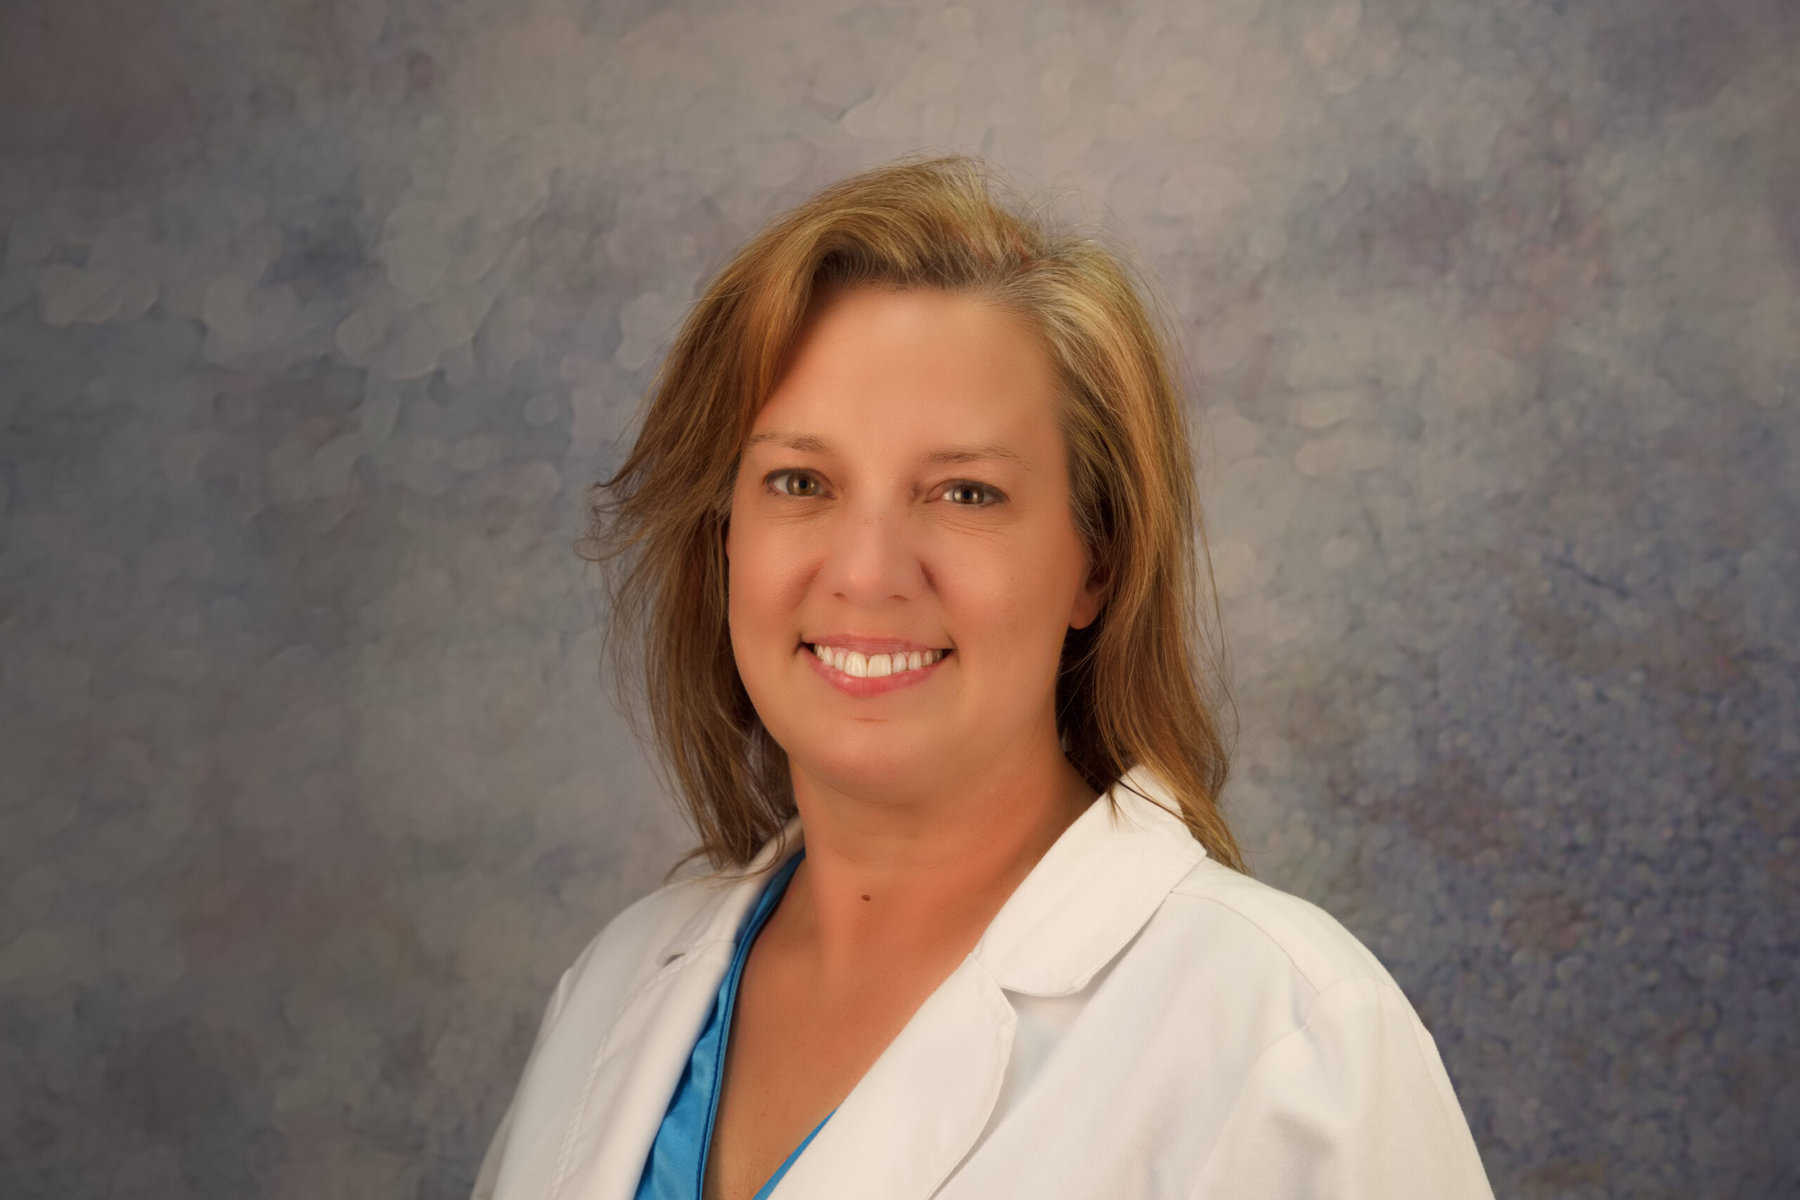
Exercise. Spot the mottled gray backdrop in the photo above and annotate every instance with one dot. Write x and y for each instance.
(317, 317)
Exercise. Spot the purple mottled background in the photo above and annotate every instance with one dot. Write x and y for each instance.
(316, 318)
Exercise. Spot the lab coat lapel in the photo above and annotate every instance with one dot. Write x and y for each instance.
(635, 1073)
(919, 1109)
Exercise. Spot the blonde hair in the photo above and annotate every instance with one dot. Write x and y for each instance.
(1132, 689)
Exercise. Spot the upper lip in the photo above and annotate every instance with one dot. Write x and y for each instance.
(863, 644)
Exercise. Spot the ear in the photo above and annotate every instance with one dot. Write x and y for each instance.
(1090, 599)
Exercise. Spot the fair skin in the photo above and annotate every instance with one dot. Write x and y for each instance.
(903, 567)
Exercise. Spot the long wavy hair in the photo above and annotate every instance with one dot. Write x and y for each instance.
(1141, 685)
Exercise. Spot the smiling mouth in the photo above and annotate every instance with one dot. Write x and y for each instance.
(874, 666)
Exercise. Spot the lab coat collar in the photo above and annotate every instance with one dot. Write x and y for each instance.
(718, 921)
(1092, 891)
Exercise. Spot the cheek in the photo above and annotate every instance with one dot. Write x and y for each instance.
(1027, 599)
(992, 599)
(764, 582)
(743, 565)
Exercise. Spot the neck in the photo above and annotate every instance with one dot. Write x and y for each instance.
(918, 869)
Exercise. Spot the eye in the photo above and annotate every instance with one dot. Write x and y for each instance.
(970, 494)
(799, 484)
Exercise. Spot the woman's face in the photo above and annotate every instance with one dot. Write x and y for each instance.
(903, 559)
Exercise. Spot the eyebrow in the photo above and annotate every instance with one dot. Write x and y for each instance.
(806, 443)
(803, 442)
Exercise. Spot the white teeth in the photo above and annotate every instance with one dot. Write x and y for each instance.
(875, 666)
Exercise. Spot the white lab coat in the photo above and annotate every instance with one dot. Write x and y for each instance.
(1137, 1021)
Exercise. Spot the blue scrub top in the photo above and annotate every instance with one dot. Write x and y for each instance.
(676, 1168)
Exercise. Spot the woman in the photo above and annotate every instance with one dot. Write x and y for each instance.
(911, 531)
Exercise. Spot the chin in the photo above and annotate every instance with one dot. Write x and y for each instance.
(871, 763)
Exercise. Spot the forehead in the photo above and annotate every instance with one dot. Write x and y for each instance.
(910, 360)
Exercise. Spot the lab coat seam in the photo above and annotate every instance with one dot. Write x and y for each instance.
(1249, 1076)
(1280, 943)
(1425, 1052)
(566, 1151)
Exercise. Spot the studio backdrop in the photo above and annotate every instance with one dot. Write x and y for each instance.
(318, 319)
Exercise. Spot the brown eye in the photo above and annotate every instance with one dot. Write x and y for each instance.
(800, 484)
(970, 494)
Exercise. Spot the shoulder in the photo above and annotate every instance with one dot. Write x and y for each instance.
(1335, 1086)
(1281, 931)
(1338, 1088)
(1260, 964)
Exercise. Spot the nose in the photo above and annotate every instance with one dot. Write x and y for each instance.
(871, 558)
